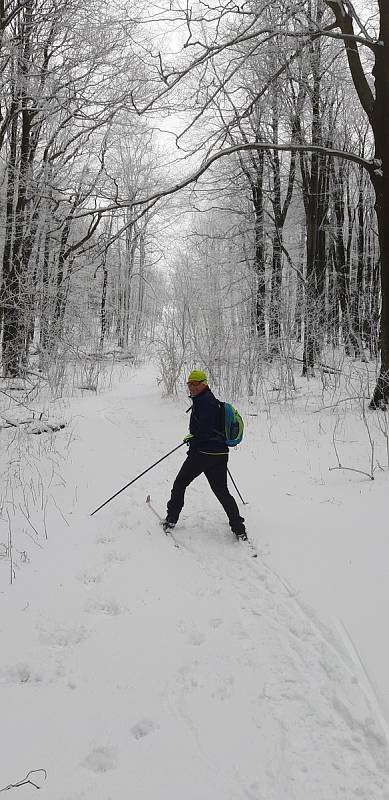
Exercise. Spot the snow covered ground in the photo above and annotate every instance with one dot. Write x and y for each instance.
(130, 668)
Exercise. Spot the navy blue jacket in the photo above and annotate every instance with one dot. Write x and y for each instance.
(207, 424)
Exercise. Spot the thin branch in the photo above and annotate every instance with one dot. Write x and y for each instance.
(194, 177)
(25, 780)
(342, 400)
(351, 469)
(344, 21)
(346, 37)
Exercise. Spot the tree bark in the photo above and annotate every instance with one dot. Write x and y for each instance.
(103, 307)
(377, 110)
(311, 192)
(259, 249)
(280, 211)
(380, 177)
(350, 339)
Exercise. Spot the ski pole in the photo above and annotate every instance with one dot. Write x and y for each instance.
(137, 478)
(243, 501)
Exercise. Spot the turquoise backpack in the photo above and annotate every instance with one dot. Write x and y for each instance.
(233, 425)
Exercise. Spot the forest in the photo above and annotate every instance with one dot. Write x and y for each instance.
(194, 185)
(206, 182)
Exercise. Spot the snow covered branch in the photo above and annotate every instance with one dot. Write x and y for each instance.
(228, 151)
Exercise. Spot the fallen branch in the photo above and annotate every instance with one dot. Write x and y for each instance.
(11, 424)
(46, 427)
(342, 400)
(351, 469)
(25, 780)
(320, 365)
(16, 401)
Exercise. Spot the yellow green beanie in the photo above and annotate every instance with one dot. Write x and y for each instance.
(197, 375)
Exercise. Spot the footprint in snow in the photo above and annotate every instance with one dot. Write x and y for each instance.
(19, 673)
(100, 759)
(254, 792)
(109, 607)
(104, 539)
(63, 637)
(215, 623)
(225, 688)
(194, 636)
(143, 728)
(127, 524)
(89, 579)
(196, 639)
(239, 631)
(113, 556)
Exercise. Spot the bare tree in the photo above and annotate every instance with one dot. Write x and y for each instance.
(66, 77)
(376, 107)
(248, 30)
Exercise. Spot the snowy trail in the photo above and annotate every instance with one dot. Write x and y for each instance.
(312, 693)
(131, 668)
(188, 673)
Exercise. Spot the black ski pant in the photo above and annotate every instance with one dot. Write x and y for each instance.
(214, 468)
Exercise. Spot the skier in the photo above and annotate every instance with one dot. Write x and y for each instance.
(207, 453)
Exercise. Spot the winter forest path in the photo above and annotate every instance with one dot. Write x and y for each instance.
(131, 668)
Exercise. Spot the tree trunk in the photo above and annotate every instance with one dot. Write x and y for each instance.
(10, 285)
(377, 111)
(350, 340)
(380, 397)
(15, 317)
(371, 299)
(280, 211)
(333, 321)
(259, 250)
(321, 258)
(125, 295)
(141, 288)
(45, 301)
(61, 293)
(311, 180)
(300, 291)
(275, 296)
(103, 307)
(358, 308)
(380, 179)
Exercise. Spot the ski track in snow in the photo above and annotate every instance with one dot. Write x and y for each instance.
(143, 670)
(305, 663)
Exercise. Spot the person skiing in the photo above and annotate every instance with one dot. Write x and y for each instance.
(207, 454)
